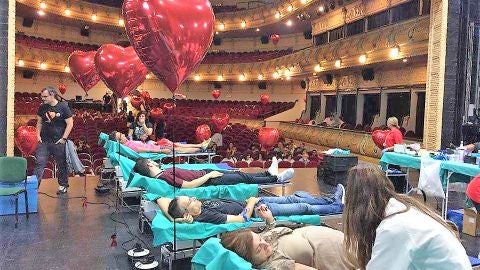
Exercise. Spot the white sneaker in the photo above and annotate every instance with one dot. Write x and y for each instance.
(285, 176)
(62, 190)
(273, 169)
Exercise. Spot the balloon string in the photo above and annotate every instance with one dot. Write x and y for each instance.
(174, 176)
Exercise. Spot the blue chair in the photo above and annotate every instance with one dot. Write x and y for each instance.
(13, 170)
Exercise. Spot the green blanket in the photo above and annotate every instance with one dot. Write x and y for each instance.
(212, 256)
(162, 227)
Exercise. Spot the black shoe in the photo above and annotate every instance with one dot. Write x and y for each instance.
(61, 190)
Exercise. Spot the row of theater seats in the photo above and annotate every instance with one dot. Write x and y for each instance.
(53, 45)
(210, 58)
(243, 57)
(236, 109)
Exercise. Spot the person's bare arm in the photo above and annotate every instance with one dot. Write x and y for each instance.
(201, 180)
(147, 130)
(163, 204)
(39, 128)
(69, 127)
(130, 132)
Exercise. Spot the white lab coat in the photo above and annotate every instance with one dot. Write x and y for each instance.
(413, 240)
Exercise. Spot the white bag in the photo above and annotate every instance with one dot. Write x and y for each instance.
(430, 181)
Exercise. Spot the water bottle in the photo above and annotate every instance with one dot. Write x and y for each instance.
(461, 152)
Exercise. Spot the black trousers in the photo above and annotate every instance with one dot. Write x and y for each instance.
(44, 151)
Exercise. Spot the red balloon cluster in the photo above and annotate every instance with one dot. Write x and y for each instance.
(203, 133)
(274, 38)
(62, 88)
(120, 68)
(220, 121)
(216, 93)
(170, 37)
(26, 140)
(136, 102)
(379, 136)
(264, 98)
(268, 137)
(82, 68)
(156, 114)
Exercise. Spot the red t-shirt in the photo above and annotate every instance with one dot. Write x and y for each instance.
(393, 137)
(473, 189)
(180, 176)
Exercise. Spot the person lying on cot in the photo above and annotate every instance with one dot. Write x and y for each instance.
(220, 211)
(310, 247)
(184, 178)
(166, 148)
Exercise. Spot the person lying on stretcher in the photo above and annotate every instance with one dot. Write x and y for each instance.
(194, 178)
(166, 147)
(220, 211)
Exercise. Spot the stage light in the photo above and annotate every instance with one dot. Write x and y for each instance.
(317, 68)
(287, 72)
(66, 69)
(121, 22)
(321, 8)
(303, 2)
(243, 24)
(290, 8)
(362, 59)
(405, 60)
(43, 65)
(197, 77)
(289, 23)
(43, 5)
(67, 12)
(242, 77)
(41, 13)
(221, 26)
(278, 15)
(220, 77)
(260, 77)
(276, 75)
(21, 63)
(94, 17)
(394, 52)
(338, 63)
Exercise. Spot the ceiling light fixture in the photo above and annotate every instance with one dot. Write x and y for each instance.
(260, 77)
(41, 13)
(66, 69)
(362, 59)
(43, 65)
(121, 22)
(67, 12)
(278, 15)
(242, 77)
(394, 52)
(197, 77)
(21, 63)
(94, 17)
(303, 2)
(43, 5)
(276, 75)
(338, 63)
(289, 23)
(220, 78)
(321, 8)
(221, 26)
(243, 24)
(290, 8)
(317, 68)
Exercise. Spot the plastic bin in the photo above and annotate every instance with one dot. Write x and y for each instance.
(7, 203)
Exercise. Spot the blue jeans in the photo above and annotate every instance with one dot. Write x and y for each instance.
(301, 203)
(235, 177)
(44, 151)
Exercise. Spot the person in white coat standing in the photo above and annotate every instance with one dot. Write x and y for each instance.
(386, 230)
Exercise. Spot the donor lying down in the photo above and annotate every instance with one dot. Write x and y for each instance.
(220, 211)
(141, 147)
(194, 178)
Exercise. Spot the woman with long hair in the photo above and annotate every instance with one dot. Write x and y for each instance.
(386, 230)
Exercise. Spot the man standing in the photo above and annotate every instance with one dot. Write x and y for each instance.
(107, 103)
(54, 123)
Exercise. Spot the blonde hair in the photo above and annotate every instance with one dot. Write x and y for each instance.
(393, 121)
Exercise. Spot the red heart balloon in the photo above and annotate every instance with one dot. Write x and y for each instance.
(274, 38)
(120, 68)
(203, 133)
(62, 88)
(379, 136)
(82, 68)
(168, 107)
(171, 37)
(264, 98)
(156, 114)
(136, 102)
(220, 121)
(268, 137)
(216, 93)
(26, 139)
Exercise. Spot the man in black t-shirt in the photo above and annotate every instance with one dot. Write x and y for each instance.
(54, 124)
